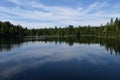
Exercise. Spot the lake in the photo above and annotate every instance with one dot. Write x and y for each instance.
(68, 58)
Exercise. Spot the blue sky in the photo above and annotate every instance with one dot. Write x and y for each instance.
(50, 13)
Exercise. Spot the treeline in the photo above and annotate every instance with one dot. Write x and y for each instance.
(111, 29)
(9, 30)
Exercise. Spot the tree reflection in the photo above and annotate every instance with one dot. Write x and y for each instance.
(110, 44)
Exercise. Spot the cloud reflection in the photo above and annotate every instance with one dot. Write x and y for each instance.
(32, 55)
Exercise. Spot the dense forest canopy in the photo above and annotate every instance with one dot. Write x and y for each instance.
(111, 29)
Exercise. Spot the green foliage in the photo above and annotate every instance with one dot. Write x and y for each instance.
(111, 29)
(9, 30)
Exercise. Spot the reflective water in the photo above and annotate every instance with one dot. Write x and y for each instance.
(85, 58)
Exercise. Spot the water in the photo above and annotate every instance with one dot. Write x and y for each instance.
(85, 58)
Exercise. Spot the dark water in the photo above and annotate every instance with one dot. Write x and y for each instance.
(84, 58)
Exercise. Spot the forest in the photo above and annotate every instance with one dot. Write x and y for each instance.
(111, 29)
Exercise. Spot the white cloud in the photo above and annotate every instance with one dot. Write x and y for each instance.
(37, 15)
(15, 1)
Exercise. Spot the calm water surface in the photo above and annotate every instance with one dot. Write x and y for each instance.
(59, 59)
